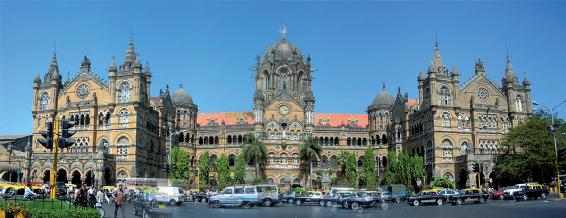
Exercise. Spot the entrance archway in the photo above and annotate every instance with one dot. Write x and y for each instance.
(89, 180)
(462, 178)
(76, 178)
(62, 176)
(46, 176)
(108, 177)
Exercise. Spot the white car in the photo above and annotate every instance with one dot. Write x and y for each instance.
(244, 196)
(509, 192)
(176, 194)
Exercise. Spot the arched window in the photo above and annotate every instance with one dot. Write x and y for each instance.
(271, 158)
(464, 148)
(181, 137)
(384, 139)
(519, 103)
(103, 145)
(44, 101)
(122, 147)
(107, 120)
(446, 120)
(444, 96)
(295, 159)
(231, 160)
(446, 149)
(124, 94)
(229, 139)
(124, 116)
(283, 158)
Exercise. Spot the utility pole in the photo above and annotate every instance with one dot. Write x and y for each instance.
(55, 158)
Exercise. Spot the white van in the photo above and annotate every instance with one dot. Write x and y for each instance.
(176, 194)
(268, 194)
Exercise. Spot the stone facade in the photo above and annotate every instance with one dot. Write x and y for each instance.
(120, 133)
(123, 132)
(454, 126)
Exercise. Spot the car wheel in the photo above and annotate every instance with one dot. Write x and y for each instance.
(355, 206)
(384, 206)
(267, 202)
(246, 205)
(172, 202)
(439, 202)
(216, 204)
(543, 196)
(298, 202)
(203, 200)
(501, 197)
(321, 203)
(459, 201)
(482, 200)
(416, 203)
(525, 197)
(329, 203)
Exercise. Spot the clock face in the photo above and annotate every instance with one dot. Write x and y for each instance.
(284, 110)
(82, 91)
(483, 93)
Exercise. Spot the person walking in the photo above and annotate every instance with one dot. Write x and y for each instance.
(118, 200)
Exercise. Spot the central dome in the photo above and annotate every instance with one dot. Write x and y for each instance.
(283, 51)
(180, 97)
(383, 99)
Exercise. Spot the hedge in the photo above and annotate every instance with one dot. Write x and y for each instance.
(67, 213)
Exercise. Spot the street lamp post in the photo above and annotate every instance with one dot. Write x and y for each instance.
(553, 129)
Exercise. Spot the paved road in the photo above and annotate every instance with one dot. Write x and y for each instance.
(495, 209)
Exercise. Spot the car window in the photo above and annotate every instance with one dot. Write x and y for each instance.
(249, 190)
(227, 191)
(238, 190)
(450, 192)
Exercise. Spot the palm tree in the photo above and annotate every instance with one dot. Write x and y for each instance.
(254, 151)
(341, 160)
(310, 149)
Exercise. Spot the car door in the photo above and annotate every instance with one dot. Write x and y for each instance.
(227, 196)
(238, 195)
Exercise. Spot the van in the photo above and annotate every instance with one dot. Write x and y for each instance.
(268, 194)
(334, 190)
(176, 194)
(241, 195)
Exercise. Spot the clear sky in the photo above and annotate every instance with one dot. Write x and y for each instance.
(211, 47)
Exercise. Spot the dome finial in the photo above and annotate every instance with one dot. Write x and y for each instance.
(383, 86)
(180, 86)
(283, 32)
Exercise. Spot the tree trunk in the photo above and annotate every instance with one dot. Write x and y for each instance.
(309, 177)
(256, 170)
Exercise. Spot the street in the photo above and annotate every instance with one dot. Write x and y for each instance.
(508, 208)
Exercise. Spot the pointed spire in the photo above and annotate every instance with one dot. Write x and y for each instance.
(479, 67)
(112, 67)
(383, 86)
(130, 53)
(37, 79)
(54, 61)
(421, 76)
(455, 71)
(137, 62)
(526, 81)
(510, 76)
(181, 86)
(146, 69)
(436, 64)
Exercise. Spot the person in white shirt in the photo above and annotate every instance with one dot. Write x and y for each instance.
(29, 193)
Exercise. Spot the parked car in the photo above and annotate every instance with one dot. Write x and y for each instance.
(311, 197)
(336, 198)
(398, 192)
(268, 194)
(199, 197)
(148, 205)
(244, 196)
(287, 196)
(529, 191)
(499, 194)
(508, 193)
(362, 199)
(469, 195)
(176, 194)
(426, 197)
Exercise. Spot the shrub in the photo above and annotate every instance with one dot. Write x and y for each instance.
(15, 208)
(66, 212)
(442, 182)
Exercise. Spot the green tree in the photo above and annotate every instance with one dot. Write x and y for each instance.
(442, 182)
(369, 168)
(240, 171)
(223, 170)
(179, 166)
(204, 168)
(351, 171)
(403, 169)
(255, 152)
(309, 150)
(528, 151)
(341, 160)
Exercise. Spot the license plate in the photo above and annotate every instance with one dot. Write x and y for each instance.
(162, 206)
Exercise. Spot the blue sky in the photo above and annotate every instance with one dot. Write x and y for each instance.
(211, 47)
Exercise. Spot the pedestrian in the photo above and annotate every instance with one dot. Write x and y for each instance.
(100, 196)
(118, 197)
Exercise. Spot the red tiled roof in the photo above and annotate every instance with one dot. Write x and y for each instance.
(335, 120)
(229, 118)
(412, 102)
